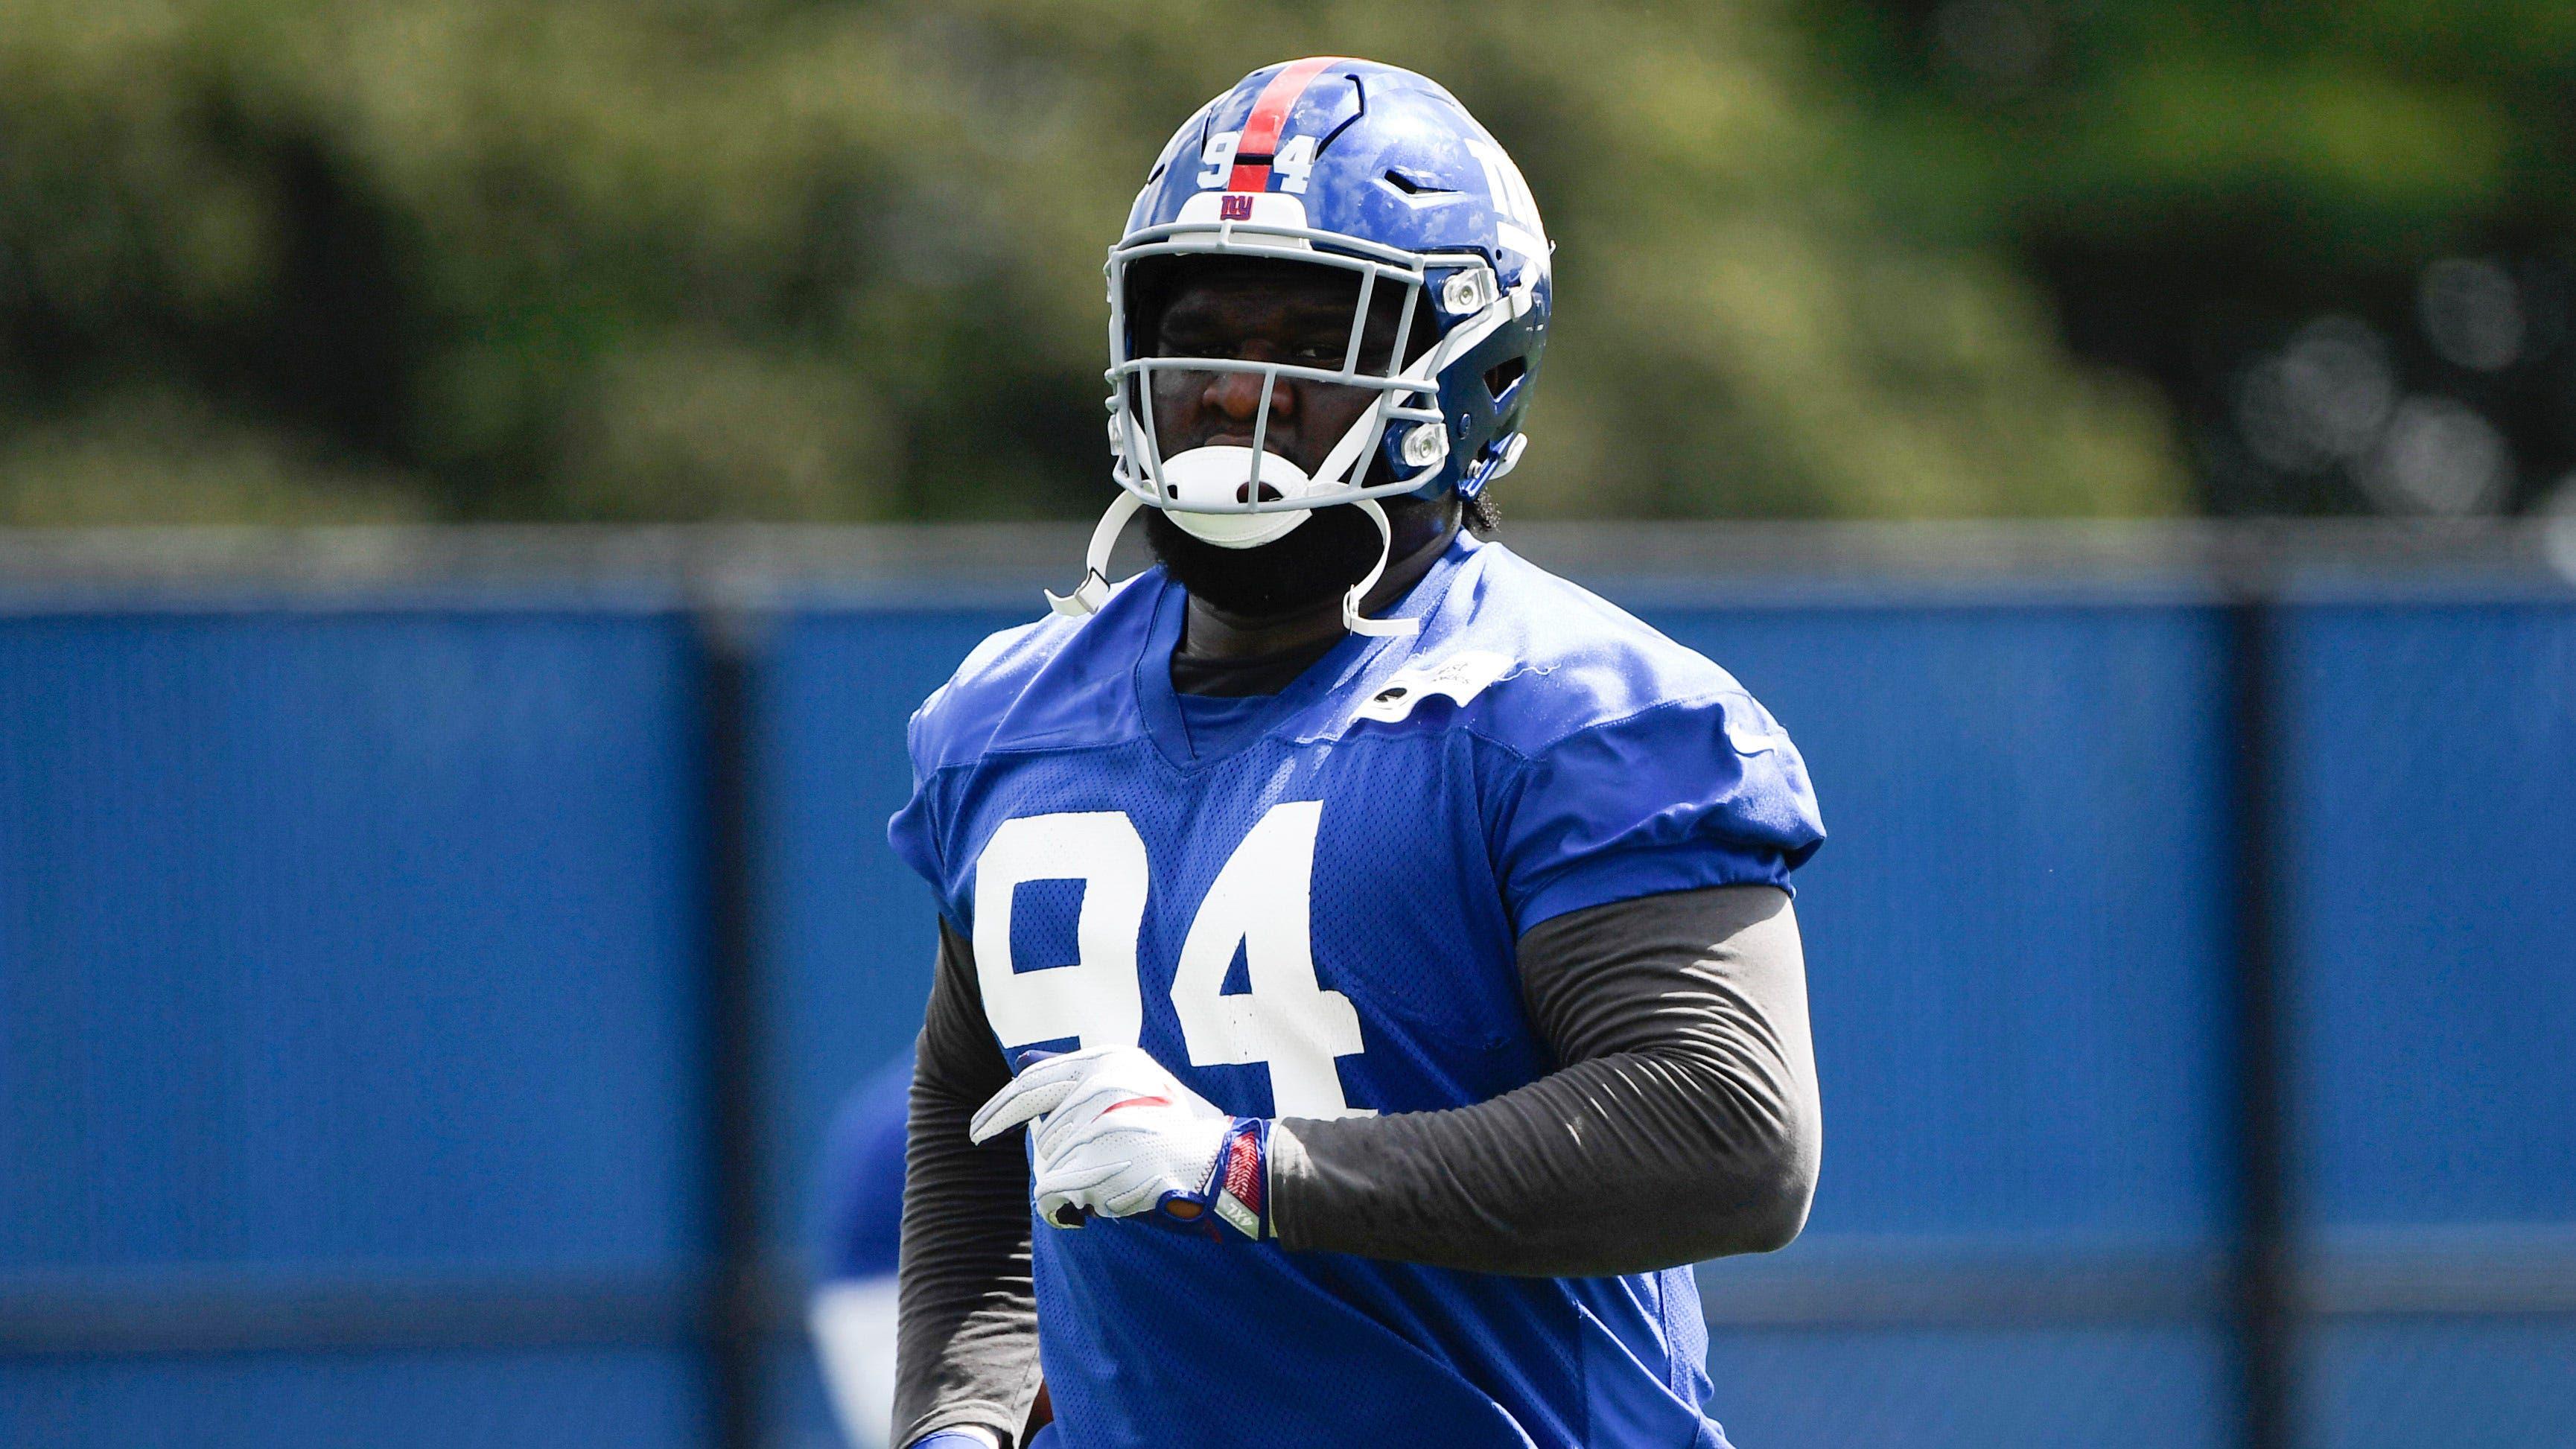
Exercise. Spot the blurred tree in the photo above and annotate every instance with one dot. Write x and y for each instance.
(2339, 234)
(756, 258)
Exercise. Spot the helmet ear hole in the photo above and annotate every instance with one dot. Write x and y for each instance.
(1500, 377)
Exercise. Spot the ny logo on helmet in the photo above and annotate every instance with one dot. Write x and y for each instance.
(1235, 207)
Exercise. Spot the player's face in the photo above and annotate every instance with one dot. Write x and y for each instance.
(1268, 312)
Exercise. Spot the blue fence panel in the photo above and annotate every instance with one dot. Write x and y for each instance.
(849, 931)
(2462, 1383)
(349, 938)
(2015, 934)
(2111, 1387)
(2433, 814)
(373, 940)
(411, 1400)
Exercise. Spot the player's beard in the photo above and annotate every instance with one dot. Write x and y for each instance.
(1314, 562)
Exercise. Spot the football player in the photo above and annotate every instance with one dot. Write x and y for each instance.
(1367, 978)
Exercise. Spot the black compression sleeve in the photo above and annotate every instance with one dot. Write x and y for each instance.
(966, 1338)
(1682, 1123)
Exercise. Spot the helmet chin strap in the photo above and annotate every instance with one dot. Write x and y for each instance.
(1351, 618)
(1093, 591)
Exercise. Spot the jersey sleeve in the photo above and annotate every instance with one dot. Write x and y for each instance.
(952, 728)
(913, 831)
(1681, 795)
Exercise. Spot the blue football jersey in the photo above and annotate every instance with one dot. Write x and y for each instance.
(1305, 905)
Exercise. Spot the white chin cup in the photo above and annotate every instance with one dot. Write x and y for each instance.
(1204, 488)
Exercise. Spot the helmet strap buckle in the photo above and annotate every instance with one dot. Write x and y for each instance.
(1093, 591)
(1352, 619)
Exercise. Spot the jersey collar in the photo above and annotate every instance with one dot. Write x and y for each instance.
(1353, 658)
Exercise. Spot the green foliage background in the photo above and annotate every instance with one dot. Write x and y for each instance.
(674, 259)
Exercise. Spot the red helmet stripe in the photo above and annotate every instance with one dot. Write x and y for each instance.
(1269, 116)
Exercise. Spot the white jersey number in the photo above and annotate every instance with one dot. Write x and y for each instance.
(1095, 998)
(1260, 901)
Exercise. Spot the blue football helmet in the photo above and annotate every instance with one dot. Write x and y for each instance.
(1379, 171)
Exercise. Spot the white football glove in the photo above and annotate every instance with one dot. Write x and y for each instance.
(1114, 1134)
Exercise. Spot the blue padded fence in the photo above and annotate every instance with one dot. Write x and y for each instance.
(355, 1024)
